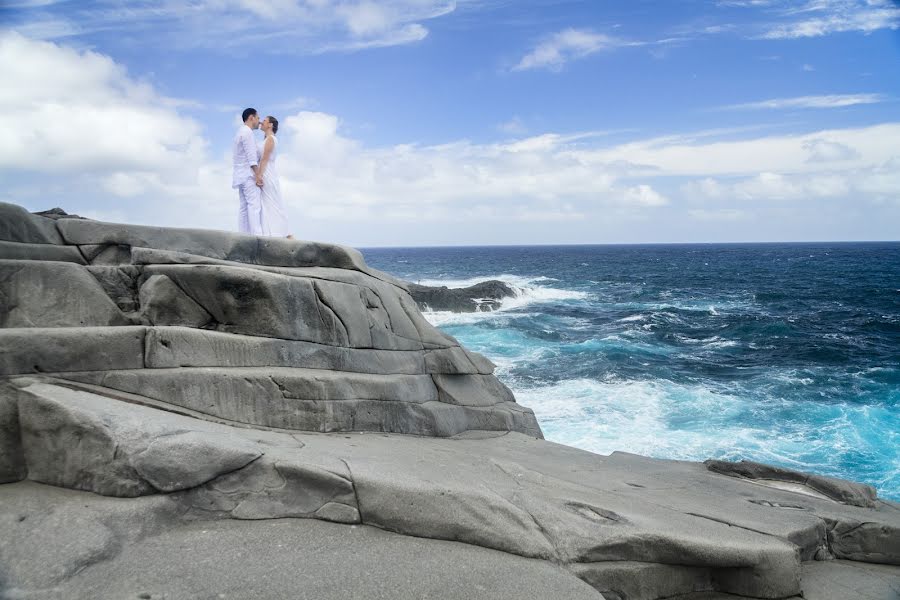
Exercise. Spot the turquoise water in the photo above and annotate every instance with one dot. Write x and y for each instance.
(782, 353)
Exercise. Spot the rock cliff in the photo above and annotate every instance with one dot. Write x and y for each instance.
(198, 414)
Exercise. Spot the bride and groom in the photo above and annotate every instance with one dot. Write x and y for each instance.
(255, 176)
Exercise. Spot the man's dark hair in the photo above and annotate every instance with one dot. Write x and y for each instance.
(248, 112)
(274, 123)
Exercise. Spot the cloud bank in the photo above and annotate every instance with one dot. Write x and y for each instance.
(105, 144)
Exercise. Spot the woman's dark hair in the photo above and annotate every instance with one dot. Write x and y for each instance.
(248, 112)
(274, 123)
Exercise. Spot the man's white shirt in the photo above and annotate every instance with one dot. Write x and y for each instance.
(245, 154)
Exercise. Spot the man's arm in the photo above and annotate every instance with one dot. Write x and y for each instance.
(249, 149)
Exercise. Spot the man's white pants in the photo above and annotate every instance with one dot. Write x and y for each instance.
(250, 211)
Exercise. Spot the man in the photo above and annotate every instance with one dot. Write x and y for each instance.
(245, 157)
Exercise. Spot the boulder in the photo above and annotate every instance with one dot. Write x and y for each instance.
(80, 440)
(18, 225)
(486, 295)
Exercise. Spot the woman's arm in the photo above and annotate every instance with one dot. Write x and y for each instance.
(267, 152)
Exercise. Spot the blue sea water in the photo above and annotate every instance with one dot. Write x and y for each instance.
(782, 353)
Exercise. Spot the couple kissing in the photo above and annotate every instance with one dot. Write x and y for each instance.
(255, 176)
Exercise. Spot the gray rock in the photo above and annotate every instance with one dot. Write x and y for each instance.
(431, 336)
(305, 399)
(163, 303)
(49, 535)
(253, 302)
(305, 559)
(68, 446)
(621, 580)
(53, 294)
(856, 494)
(180, 461)
(480, 362)
(452, 361)
(47, 350)
(483, 296)
(389, 322)
(318, 400)
(839, 579)
(345, 302)
(80, 440)
(632, 526)
(121, 285)
(273, 489)
(213, 244)
(18, 225)
(44, 251)
(106, 254)
(12, 459)
(183, 347)
(864, 541)
(157, 256)
(472, 390)
(56, 213)
(254, 419)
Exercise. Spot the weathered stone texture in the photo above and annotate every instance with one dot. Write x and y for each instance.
(186, 380)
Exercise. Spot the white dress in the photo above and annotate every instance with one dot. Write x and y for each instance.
(274, 215)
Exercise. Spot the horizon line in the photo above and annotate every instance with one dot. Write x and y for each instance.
(594, 244)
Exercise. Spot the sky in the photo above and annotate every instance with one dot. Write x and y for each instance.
(474, 122)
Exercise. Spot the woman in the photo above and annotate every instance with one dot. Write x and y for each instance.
(274, 216)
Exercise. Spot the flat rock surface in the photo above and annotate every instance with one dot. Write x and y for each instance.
(838, 579)
(274, 559)
(674, 526)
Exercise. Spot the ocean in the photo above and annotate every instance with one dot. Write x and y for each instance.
(787, 354)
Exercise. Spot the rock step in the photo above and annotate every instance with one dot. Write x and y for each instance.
(58, 350)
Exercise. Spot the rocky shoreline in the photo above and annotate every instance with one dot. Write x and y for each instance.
(199, 414)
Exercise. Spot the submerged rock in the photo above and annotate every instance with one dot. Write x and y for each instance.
(182, 410)
(486, 295)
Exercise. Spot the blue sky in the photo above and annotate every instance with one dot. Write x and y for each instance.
(431, 122)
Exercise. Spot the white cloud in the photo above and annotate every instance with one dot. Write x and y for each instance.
(823, 101)
(698, 157)
(745, 3)
(824, 17)
(79, 111)
(514, 126)
(9, 4)
(870, 183)
(565, 46)
(94, 139)
(644, 195)
(707, 188)
(828, 151)
(277, 26)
